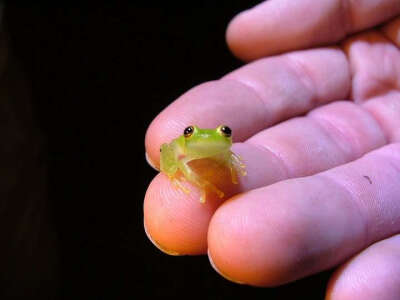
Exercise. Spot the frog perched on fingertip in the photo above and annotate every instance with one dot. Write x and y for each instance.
(195, 144)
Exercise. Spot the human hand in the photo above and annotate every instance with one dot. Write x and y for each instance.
(284, 226)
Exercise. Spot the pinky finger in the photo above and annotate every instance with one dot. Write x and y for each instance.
(372, 274)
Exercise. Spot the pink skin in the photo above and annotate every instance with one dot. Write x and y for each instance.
(291, 119)
(277, 26)
(378, 264)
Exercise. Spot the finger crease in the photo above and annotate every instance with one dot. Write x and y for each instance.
(355, 203)
(384, 134)
(304, 75)
(284, 165)
(330, 129)
(266, 111)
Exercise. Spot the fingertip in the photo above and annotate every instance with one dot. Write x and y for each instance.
(219, 272)
(176, 222)
(150, 142)
(150, 162)
(161, 130)
(239, 34)
(244, 246)
(283, 232)
(166, 251)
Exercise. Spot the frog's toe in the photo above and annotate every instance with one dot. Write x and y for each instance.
(242, 169)
(203, 197)
(234, 175)
(220, 193)
(234, 180)
(179, 186)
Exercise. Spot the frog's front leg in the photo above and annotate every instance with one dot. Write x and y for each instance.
(235, 165)
(238, 164)
(195, 179)
(179, 185)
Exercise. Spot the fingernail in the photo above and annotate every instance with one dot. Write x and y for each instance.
(166, 251)
(219, 272)
(150, 162)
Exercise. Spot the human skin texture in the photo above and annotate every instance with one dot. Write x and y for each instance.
(316, 116)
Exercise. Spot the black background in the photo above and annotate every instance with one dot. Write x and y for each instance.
(99, 74)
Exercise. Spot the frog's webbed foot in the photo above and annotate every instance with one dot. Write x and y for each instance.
(203, 196)
(214, 189)
(177, 183)
(234, 175)
(237, 166)
(203, 184)
(209, 186)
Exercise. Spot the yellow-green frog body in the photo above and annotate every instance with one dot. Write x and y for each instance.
(197, 143)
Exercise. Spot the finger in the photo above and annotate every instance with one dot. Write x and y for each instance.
(372, 274)
(330, 135)
(386, 111)
(255, 96)
(392, 31)
(297, 227)
(174, 221)
(375, 66)
(276, 26)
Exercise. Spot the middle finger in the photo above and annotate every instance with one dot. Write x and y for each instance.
(255, 96)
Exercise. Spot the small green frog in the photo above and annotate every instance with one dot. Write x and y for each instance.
(197, 143)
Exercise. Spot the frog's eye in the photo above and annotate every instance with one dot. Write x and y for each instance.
(226, 131)
(188, 131)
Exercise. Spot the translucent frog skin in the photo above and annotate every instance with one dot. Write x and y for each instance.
(197, 143)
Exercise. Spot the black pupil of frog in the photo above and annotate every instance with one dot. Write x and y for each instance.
(188, 131)
(226, 131)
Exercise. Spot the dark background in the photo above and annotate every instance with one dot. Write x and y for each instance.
(99, 74)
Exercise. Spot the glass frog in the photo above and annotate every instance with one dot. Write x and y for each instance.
(194, 144)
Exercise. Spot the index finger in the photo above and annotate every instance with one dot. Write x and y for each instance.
(255, 96)
(276, 26)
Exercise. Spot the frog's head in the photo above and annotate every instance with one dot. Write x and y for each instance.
(207, 142)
